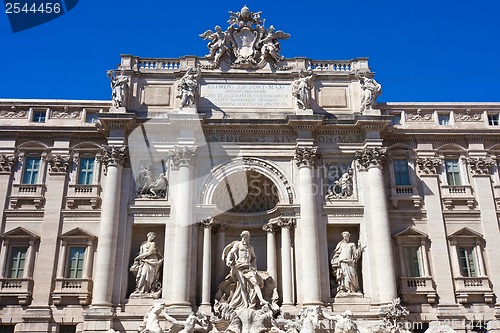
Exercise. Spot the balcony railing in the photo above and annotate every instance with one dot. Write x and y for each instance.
(467, 286)
(68, 290)
(414, 288)
(83, 194)
(16, 288)
(452, 194)
(27, 193)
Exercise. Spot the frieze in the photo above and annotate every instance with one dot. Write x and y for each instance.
(66, 114)
(419, 116)
(467, 116)
(272, 96)
(263, 138)
(7, 162)
(481, 166)
(13, 113)
(340, 138)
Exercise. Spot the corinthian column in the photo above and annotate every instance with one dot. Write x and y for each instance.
(270, 229)
(286, 260)
(182, 159)
(306, 158)
(114, 159)
(371, 161)
(207, 262)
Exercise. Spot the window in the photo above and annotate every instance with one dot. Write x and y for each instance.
(396, 119)
(467, 261)
(31, 170)
(7, 328)
(412, 261)
(443, 119)
(86, 171)
(493, 119)
(91, 117)
(401, 173)
(67, 328)
(76, 262)
(17, 262)
(39, 116)
(452, 172)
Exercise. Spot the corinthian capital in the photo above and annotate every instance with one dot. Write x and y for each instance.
(207, 223)
(58, 164)
(481, 165)
(182, 155)
(371, 157)
(307, 156)
(286, 222)
(7, 162)
(270, 228)
(428, 165)
(115, 155)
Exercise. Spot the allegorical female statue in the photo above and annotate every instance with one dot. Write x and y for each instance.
(146, 266)
(343, 260)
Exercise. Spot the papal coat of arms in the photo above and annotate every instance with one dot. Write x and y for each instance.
(246, 43)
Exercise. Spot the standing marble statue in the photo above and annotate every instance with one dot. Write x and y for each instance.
(346, 183)
(188, 86)
(301, 90)
(343, 260)
(119, 88)
(240, 257)
(146, 266)
(371, 90)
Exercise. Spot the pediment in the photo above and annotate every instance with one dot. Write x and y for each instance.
(411, 232)
(77, 233)
(20, 233)
(465, 233)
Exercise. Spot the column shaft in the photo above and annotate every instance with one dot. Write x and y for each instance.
(286, 265)
(207, 267)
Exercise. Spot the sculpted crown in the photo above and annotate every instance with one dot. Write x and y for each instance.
(246, 43)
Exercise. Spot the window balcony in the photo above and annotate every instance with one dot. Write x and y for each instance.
(457, 194)
(27, 194)
(71, 291)
(83, 195)
(19, 289)
(412, 288)
(405, 193)
(467, 288)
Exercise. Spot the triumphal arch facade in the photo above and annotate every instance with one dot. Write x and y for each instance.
(245, 191)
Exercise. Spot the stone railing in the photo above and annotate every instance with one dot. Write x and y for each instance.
(66, 290)
(16, 288)
(27, 192)
(417, 289)
(467, 286)
(83, 194)
(330, 66)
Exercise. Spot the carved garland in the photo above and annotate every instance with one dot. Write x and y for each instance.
(371, 157)
(7, 162)
(428, 165)
(307, 156)
(481, 165)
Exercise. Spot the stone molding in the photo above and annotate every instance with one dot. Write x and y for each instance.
(7, 162)
(115, 155)
(306, 156)
(58, 164)
(480, 165)
(183, 156)
(371, 157)
(428, 166)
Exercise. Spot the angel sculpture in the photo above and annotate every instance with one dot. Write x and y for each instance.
(192, 323)
(269, 45)
(217, 44)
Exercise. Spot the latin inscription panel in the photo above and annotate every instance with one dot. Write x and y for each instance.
(263, 96)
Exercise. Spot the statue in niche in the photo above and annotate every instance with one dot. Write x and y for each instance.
(188, 86)
(149, 186)
(146, 267)
(218, 44)
(247, 298)
(301, 90)
(343, 261)
(119, 88)
(371, 90)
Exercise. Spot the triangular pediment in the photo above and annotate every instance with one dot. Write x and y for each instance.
(20, 233)
(77, 233)
(411, 232)
(465, 233)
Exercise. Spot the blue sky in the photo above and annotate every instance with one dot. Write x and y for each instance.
(439, 50)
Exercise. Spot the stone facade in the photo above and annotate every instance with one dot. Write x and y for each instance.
(84, 183)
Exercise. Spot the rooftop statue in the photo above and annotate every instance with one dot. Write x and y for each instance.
(371, 90)
(119, 88)
(246, 43)
(187, 87)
